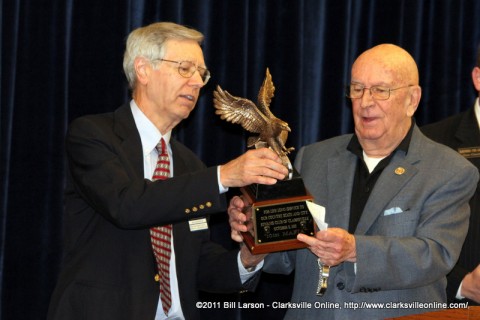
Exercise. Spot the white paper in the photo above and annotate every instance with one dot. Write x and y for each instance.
(318, 213)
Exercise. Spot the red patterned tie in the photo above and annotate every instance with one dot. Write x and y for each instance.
(161, 236)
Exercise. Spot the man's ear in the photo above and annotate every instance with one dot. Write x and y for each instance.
(476, 78)
(415, 95)
(142, 69)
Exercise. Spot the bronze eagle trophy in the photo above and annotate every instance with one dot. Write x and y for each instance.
(272, 132)
(276, 213)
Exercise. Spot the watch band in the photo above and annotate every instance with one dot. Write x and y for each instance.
(323, 273)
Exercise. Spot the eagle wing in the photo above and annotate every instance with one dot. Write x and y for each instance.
(238, 110)
(265, 95)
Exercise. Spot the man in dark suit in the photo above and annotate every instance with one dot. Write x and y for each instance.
(109, 270)
(461, 132)
(396, 204)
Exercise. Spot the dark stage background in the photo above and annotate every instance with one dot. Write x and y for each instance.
(62, 58)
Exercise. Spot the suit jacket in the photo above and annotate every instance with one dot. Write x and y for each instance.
(461, 133)
(108, 267)
(408, 237)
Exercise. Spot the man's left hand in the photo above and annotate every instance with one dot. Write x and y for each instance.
(333, 246)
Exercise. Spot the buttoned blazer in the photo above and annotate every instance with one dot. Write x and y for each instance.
(408, 238)
(108, 267)
(461, 133)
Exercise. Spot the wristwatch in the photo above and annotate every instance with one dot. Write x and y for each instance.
(323, 274)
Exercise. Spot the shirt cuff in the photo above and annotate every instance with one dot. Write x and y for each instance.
(244, 273)
(221, 188)
(459, 291)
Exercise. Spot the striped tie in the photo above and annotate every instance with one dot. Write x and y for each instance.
(161, 236)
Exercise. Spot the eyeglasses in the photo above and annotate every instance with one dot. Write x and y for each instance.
(187, 68)
(355, 91)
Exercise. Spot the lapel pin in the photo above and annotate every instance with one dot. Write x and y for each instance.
(399, 171)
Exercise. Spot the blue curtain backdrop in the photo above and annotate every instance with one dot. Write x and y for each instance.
(62, 58)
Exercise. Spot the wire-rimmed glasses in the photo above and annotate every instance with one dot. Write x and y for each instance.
(355, 91)
(187, 68)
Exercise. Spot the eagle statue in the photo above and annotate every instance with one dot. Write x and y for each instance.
(272, 132)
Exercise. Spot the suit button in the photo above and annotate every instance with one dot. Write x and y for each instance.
(187, 211)
(208, 204)
(340, 286)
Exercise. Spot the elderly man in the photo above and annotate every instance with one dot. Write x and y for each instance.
(137, 244)
(396, 204)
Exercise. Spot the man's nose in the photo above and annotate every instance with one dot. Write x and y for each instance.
(367, 98)
(196, 80)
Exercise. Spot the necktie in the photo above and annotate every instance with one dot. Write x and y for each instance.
(161, 236)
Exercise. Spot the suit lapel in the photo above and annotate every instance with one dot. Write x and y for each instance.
(390, 183)
(392, 180)
(341, 171)
(179, 165)
(124, 127)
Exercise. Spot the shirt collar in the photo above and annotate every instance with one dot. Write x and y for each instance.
(477, 111)
(149, 134)
(355, 147)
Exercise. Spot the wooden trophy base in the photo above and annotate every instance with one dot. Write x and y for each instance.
(277, 218)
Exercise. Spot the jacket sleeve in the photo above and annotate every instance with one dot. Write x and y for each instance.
(103, 173)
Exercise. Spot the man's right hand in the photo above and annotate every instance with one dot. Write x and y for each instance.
(261, 166)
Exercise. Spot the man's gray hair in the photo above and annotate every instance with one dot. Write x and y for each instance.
(149, 42)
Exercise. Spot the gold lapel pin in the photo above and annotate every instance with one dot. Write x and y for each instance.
(400, 171)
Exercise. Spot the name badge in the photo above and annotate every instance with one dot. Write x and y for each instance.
(471, 152)
(198, 224)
